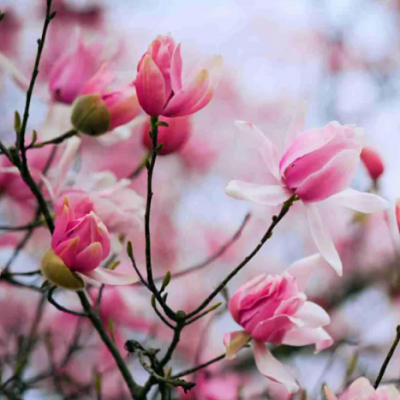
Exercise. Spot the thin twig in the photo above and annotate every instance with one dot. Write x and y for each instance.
(388, 358)
(275, 220)
(201, 366)
(60, 307)
(56, 140)
(136, 172)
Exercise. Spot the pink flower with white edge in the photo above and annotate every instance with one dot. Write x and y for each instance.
(102, 108)
(361, 389)
(373, 162)
(274, 309)
(79, 245)
(317, 165)
(161, 88)
(71, 72)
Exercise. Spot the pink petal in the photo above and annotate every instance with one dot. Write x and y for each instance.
(303, 269)
(150, 87)
(334, 177)
(312, 315)
(307, 336)
(358, 201)
(329, 394)
(183, 102)
(307, 142)
(176, 70)
(90, 258)
(260, 194)
(361, 388)
(61, 224)
(388, 392)
(67, 251)
(110, 277)
(100, 81)
(272, 369)
(234, 341)
(296, 126)
(322, 238)
(266, 147)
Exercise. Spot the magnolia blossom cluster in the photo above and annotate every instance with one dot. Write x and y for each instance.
(98, 209)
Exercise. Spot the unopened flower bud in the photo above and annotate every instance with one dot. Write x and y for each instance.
(90, 115)
(373, 162)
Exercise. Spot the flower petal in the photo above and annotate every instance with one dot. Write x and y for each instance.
(90, 258)
(359, 201)
(266, 147)
(270, 195)
(272, 369)
(361, 388)
(313, 315)
(110, 277)
(150, 87)
(302, 269)
(334, 177)
(176, 69)
(234, 341)
(306, 336)
(329, 394)
(322, 238)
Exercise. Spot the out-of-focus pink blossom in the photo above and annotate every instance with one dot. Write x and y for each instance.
(72, 71)
(159, 84)
(121, 102)
(397, 212)
(373, 162)
(119, 207)
(80, 245)
(317, 164)
(274, 309)
(172, 137)
(361, 389)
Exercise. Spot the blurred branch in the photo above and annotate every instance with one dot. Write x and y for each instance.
(56, 140)
(59, 306)
(198, 367)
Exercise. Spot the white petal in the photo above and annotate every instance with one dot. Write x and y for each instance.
(110, 277)
(270, 195)
(296, 126)
(307, 336)
(322, 238)
(272, 369)
(234, 341)
(303, 269)
(362, 202)
(312, 315)
(266, 147)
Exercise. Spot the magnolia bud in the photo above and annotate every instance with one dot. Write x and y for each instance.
(90, 115)
(373, 162)
(55, 271)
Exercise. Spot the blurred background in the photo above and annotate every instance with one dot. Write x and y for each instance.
(342, 57)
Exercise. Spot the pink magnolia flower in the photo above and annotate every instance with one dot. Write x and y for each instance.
(71, 72)
(172, 137)
(274, 309)
(397, 213)
(317, 165)
(361, 389)
(121, 102)
(80, 245)
(159, 84)
(373, 162)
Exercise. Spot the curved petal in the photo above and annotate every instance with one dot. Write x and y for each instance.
(270, 195)
(266, 147)
(329, 394)
(272, 369)
(296, 126)
(110, 277)
(176, 69)
(150, 87)
(334, 177)
(313, 315)
(359, 201)
(234, 341)
(361, 388)
(302, 269)
(322, 238)
(306, 336)
(90, 258)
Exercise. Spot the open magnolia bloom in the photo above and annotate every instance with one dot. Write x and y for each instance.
(317, 165)
(361, 389)
(274, 309)
(79, 245)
